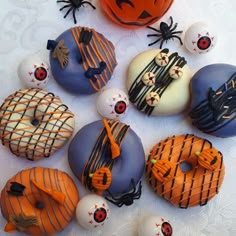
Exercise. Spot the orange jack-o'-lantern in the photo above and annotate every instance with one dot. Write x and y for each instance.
(135, 13)
(162, 170)
(101, 179)
(209, 158)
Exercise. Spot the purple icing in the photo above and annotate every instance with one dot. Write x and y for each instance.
(217, 117)
(130, 164)
(73, 76)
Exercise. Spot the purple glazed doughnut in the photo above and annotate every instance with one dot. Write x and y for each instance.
(90, 155)
(213, 100)
(82, 60)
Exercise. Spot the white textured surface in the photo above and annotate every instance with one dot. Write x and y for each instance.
(26, 25)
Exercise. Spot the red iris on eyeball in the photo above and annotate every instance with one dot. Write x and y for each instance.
(100, 215)
(40, 73)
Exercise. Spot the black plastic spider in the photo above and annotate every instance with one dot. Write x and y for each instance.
(165, 33)
(128, 198)
(74, 5)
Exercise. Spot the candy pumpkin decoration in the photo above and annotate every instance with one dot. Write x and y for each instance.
(135, 13)
(209, 158)
(39, 201)
(162, 170)
(101, 179)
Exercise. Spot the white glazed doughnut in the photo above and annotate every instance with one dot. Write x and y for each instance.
(34, 123)
(158, 82)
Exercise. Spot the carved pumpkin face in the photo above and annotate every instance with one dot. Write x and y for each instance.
(209, 158)
(101, 179)
(163, 170)
(135, 13)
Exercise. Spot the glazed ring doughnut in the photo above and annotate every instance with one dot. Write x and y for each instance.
(82, 60)
(108, 158)
(158, 82)
(34, 123)
(186, 170)
(39, 201)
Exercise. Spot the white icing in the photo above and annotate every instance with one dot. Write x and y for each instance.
(175, 98)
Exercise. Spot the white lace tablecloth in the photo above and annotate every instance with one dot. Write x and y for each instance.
(25, 27)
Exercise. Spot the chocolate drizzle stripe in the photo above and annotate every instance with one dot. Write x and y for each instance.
(204, 141)
(193, 177)
(53, 206)
(94, 53)
(220, 172)
(46, 199)
(66, 212)
(100, 155)
(180, 155)
(218, 109)
(32, 188)
(138, 90)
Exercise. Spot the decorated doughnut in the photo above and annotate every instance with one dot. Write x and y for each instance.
(186, 170)
(101, 155)
(158, 82)
(34, 123)
(213, 100)
(82, 60)
(39, 201)
(135, 13)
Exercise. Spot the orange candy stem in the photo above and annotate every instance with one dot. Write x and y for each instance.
(115, 148)
(59, 197)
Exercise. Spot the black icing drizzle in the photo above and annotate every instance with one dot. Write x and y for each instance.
(138, 90)
(218, 109)
(101, 155)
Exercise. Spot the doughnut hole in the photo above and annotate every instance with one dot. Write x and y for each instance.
(186, 167)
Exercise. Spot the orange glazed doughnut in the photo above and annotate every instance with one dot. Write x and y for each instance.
(34, 123)
(39, 201)
(167, 173)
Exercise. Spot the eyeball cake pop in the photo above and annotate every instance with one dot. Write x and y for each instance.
(92, 211)
(34, 72)
(200, 38)
(155, 225)
(135, 13)
(112, 103)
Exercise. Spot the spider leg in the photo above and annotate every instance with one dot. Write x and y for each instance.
(149, 27)
(75, 21)
(63, 1)
(171, 22)
(119, 204)
(157, 35)
(174, 36)
(70, 9)
(111, 195)
(175, 26)
(150, 44)
(69, 5)
(177, 32)
(162, 43)
(139, 192)
(89, 3)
